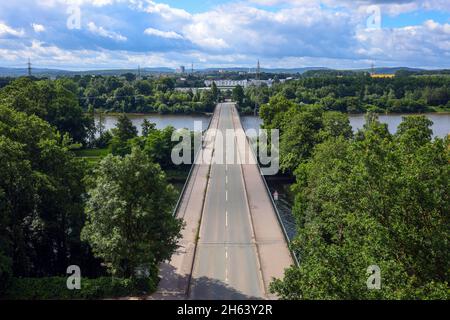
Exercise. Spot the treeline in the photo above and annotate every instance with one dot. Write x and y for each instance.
(364, 199)
(110, 218)
(250, 99)
(122, 94)
(70, 104)
(361, 93)
(146, 95)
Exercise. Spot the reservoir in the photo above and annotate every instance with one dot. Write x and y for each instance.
(161, 120)
(441, 121)
(441, 128)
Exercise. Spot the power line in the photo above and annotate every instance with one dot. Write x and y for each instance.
(29, 67)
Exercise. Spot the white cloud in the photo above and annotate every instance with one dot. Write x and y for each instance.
(7, 30)
(96, 3)
(105, 33)
(166, 11)
(305, 30)
(163, 34)
(427, 43)
(238, 32)
(38, 27)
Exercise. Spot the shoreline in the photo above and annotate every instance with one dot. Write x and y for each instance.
(138, 114)
(207, 114)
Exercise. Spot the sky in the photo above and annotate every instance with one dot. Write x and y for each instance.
(341, 34)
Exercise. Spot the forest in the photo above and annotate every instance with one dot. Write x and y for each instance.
(363, 199)
(357, 93)
(125, 93)
(56, 202)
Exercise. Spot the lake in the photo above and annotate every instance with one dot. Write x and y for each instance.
(441, 122)
(441, 127)
(161, 121)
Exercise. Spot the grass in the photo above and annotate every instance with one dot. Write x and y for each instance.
(92, 156)
(91, 153)
(177, 175)
(440, 109)
(55, 288)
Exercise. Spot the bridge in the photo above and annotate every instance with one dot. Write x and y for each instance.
(232, 245)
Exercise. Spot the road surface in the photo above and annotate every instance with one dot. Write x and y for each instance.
(232, 245)
(226, 263)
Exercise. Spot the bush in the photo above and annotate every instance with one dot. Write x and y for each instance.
(5, 272)
(55, 288)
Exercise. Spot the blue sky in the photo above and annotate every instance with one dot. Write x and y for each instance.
(280, 33)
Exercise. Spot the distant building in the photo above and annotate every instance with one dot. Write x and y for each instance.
(181, 69)
(259, 83)
(194, 90)
(287, 79)
(381, 75)
(226, 83)
(229, 84)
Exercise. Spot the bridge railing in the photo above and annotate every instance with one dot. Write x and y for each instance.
(183, 191)
(280, 221)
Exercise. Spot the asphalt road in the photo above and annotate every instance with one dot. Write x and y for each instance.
(226, 263)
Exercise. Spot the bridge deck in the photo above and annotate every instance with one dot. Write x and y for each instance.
(240, 245)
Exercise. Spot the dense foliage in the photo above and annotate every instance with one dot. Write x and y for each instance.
(301, 128)
(54, 101)
(361, 93)
(147, 95)
(70, 104)
(47, 193)
(41, 199)
(129, 213)
(367, 199)
(54, 288)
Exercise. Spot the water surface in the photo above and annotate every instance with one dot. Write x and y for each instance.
(441, 122)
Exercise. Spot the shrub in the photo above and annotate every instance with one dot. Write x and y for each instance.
(55, 288)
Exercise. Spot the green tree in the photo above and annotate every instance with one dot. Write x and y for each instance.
(272, 113)
(40, 197)
(238, 95)
(376, 200)
(215, 91)
(122, 133)
(302, 130)
(158, 146)
(147, 127)
(54, 101)
(130, 221)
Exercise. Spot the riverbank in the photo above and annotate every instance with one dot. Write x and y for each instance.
(440, 127)
(144, 114)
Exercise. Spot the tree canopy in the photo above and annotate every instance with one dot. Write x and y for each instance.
(378, 199)
(129, 214)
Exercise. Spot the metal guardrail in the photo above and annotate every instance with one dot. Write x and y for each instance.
(183, 191)
(280, 221)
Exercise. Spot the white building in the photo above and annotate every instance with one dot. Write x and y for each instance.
(226, 84)
(181, 69)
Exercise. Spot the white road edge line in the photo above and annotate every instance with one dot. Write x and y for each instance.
(226, 264)
(226, 218)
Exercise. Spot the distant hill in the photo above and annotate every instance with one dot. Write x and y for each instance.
(265, 70)
(40, 72)
(390, 70)
(52, 73)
